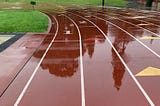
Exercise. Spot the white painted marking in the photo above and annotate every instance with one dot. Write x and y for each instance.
(143, 24)
(71, 25)
(129, 71)
(7, 35)
(4, 38)
(81, 64)
(138, 17)
(68, 32)
(36, 69)
(83, 22)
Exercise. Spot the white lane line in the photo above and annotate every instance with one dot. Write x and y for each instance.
(131, 36)
(138, 19)
(36, 69)
(130, 72)
(81, 64)
(133, 25)
(148, 13)
(138, 27)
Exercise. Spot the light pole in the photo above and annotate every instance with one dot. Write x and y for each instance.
(102, 2)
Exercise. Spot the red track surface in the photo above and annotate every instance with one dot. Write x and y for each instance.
(89, 58)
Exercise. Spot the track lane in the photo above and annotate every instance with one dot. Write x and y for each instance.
(90, 90)
(24, 48)
(149, 39)
(138, 34)
(35, 71)
(93, 43)
(137, 15)
(148, 27)
(134, 36)
(81, 64)
(138, 19)
(59, 72)
(136, 63)
(13, 91)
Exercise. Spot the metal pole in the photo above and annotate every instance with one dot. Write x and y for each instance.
(102, 2)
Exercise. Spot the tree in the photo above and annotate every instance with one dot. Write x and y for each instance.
(33, 3)
(149, 3)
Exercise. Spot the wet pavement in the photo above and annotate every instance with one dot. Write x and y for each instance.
(90, 57)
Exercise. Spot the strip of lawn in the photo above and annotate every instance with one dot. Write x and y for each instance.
(34, 21)
(79, 2)
(22, 21)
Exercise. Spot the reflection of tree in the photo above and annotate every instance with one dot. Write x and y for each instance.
(89, 43)
(90, 47)
(62, 58)
(120, 44)
(121, 40)
(91, 34)
(118, 71)
(62, 62)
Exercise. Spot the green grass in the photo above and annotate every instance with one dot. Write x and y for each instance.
(22, 21)
(33, 21)
(120, 3)
(80, 2)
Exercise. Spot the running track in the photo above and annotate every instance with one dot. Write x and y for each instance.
(88, 57)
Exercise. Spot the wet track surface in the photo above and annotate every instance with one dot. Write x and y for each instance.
(90, 57)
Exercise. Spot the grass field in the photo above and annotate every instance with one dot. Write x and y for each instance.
(25, 20)
(80, 2)
(22, 21)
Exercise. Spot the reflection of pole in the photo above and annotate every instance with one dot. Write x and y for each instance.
(151, 41)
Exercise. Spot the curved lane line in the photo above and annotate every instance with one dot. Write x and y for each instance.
(81, 63)
(36, 69)
(130, 35)
(130, 17)
(141, 12)
(132, 24)
(130, 72)
(147, 13)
